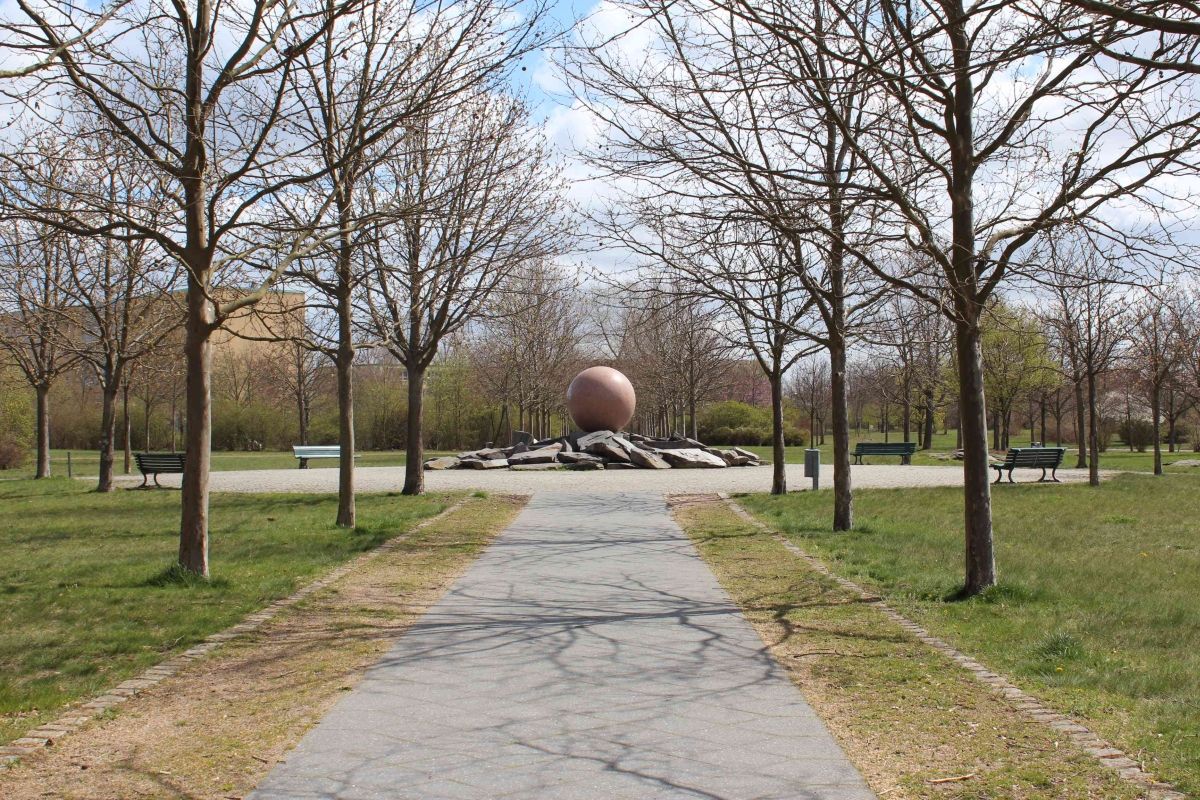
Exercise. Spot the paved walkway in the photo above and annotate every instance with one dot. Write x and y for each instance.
(677, 481)
(589, 653)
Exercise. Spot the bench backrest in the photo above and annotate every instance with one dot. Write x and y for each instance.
(886, 448)
(1034, 456)
(317, 450)
(160, 462)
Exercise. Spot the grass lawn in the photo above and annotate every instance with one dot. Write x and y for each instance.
(1117, 456)
(1098, 607)
(86, 463)
(86, 599)
(218, 727)
(914, 724)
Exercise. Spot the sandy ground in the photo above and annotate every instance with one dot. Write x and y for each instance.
(674, 481)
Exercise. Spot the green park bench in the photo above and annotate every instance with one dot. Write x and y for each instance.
(903, 449)
(307, 452)
(1047, 458)
(157, 464)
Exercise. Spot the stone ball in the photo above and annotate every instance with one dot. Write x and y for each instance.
(601, 399)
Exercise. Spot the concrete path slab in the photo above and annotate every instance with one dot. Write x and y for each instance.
(588, 653)
(667, 481)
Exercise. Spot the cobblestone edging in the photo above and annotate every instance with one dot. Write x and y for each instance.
(1079, 735)
(45, 735)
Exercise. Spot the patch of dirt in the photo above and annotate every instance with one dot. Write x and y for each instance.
(215, 729)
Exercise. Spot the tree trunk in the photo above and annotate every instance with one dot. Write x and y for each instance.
(980, 559)
(1081, 439)
(197, 348)
(843, 495)
(1156, 419)
(928, 433)
(907, 411)
(778, 454)
(43, 430)
(344, 363)
(1093, 434)
(1043, 411)
(146, 426)
(108, 433)
(128, 427)
(414, 468)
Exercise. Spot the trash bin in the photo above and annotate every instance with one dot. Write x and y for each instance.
(812, 466)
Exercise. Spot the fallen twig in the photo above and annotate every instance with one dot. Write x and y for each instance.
(951, 780)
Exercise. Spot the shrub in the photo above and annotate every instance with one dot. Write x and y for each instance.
(12, 453)
(1137, 433)
(733, 415)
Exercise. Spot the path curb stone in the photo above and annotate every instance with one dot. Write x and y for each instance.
(1079, 735)
(78, 715)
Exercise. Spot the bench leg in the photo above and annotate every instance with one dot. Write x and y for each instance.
(145, 479)
(1054, 475)
(303, 463)
(1010, 480)
(905, 460)
(156, 483)
(1043, 478)
(999, 475)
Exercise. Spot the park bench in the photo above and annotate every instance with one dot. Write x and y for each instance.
(307, 452)
(903, 449)
(1047, 458)
(158, 463)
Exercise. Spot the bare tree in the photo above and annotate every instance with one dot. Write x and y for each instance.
(122, 309)
(1157, 351)
(198, 91)
(969, 174)
(529, 347)
(31, 35)
(711, 127)
(35, 325)
(1091, 322)
(469, 197)
(410, 59)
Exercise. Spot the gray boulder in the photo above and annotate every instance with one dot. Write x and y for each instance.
(692, 458)
(482, 463)
(445, 462)
(572, 457)
(543, 455)
(647, 460)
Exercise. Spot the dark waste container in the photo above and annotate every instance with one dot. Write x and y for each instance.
(812, 465)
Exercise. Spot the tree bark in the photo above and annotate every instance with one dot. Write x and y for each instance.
(980, 559)
(414, 468)
(108, 434)
(1156, 419)
(1081, 440)
(1093, 434)
(43, 430)
(347, 513)
(928, 432)
(843, 495)
(778, 454)
(127, 426)
(193, 525)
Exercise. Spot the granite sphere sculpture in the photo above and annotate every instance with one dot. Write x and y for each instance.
(601, 399)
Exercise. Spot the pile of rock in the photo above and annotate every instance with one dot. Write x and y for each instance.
(601, 450)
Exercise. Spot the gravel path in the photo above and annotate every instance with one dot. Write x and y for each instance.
(681, 481)
(589, 654)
